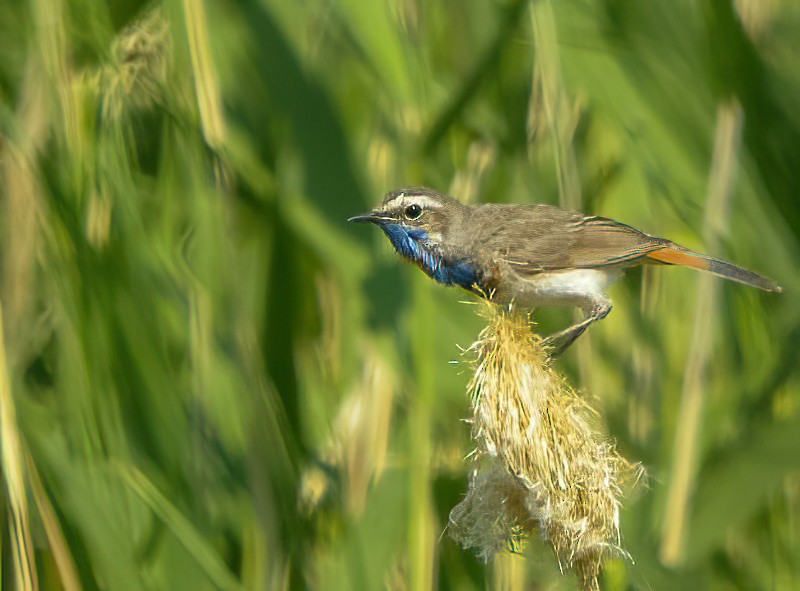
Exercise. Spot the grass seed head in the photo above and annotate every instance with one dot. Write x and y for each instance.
(542, 462)
(136, 76)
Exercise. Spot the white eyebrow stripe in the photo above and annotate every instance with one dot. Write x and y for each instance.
(423, 201)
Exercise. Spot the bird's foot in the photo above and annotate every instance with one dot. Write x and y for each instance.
(600, 311)
(560, 341)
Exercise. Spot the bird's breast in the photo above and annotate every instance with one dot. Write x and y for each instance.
(569, 287)
(417, 246)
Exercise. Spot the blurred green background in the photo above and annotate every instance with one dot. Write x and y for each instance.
(210, 381)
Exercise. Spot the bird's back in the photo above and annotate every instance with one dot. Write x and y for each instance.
(543, 237)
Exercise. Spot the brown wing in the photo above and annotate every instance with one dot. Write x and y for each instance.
(541, 237)
(601, 241)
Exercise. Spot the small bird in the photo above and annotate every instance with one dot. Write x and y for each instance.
(530, 255)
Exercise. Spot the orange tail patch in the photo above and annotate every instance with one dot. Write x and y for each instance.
(685, 258)
(673, 254)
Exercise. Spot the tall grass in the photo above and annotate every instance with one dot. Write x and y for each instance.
(211, 381)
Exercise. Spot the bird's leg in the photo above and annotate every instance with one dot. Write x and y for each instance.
(560, 341)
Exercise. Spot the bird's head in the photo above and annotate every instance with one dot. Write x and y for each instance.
(416, 221)
(415, 211)
(424, 227)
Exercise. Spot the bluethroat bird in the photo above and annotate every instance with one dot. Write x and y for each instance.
(530, 255)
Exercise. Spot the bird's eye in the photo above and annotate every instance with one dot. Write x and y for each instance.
(413, 211)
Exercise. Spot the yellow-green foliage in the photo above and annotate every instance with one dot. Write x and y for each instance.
(209, 380)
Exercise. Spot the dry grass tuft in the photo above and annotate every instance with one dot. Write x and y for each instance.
(541, 461)
(136, 76)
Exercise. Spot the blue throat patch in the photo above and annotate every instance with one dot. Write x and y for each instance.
(413, 244)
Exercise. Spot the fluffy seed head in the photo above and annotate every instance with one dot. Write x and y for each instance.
(541, 461)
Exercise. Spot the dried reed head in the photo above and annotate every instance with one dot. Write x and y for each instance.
(541, 463)
(359, 441)
(136, 76)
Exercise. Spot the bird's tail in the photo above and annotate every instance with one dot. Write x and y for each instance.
(673, 254)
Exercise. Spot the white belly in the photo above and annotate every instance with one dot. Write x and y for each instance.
(583, 288)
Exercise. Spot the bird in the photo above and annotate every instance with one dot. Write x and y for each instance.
(531, 255)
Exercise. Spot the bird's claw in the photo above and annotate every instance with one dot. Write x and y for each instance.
(560, 341)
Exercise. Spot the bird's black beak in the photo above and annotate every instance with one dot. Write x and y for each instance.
(370, 217)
